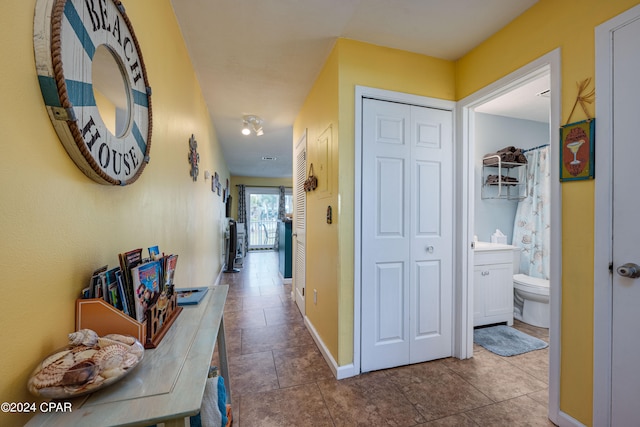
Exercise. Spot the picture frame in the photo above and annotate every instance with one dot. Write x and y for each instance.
(577, 150)
(215, 182)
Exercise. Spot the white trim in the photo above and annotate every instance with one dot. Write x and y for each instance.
(248, 192)
(549, 63)
(297, 186)
(405, 98)
(340, 372)
(464, 226)
(603, 234)
(565, 420)
(217, 281)
(285, 281)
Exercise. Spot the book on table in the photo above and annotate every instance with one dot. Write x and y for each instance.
(191, 296)
(146, 279)
(128, 260)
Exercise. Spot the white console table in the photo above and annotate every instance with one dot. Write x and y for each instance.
(168, 384)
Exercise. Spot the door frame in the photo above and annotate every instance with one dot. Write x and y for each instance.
(300, 300)
(603, 226)
(250, 190)
(548, 63)
(405, 98)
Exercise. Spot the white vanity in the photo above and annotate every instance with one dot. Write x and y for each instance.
(493, 283)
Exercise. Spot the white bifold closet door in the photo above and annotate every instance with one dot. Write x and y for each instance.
(407, 234)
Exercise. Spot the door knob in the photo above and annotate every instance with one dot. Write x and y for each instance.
(629, 270)
(430, 249)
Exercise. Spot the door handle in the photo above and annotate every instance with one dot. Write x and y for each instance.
(629, 270)
(430, 249)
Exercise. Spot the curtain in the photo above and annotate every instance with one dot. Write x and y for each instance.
(281, 204)
(531, 230)
(242, 212)
(281, 208)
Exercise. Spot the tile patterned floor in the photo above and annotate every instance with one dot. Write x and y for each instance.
(279, 378)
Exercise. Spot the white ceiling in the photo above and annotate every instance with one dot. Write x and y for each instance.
(261, 57)
(530, 101)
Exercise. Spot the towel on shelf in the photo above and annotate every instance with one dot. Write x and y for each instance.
(505, 180)
(509, 154)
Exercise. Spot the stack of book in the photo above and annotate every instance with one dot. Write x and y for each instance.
(136, 284)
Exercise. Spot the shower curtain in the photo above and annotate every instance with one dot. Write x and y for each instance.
(531, 230)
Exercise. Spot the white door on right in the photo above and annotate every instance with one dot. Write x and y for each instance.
(407, 234)
(625, 389)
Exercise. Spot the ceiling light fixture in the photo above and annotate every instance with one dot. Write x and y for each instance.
(252, 123)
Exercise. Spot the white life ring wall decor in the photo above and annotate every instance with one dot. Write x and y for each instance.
(67, 35)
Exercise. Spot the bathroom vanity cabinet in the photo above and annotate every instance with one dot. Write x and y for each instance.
(493, 284)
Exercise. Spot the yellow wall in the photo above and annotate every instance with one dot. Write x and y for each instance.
(57, 225)
(548, 25)
(569, 25)
(383, 68)
(319, 117)
(329, 109)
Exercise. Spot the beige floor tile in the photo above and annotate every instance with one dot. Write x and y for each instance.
(405, 375)
(251, 373)
(233, 303)
(261, 301)
(274, 289)
(244, 319)
(520, 411)
(279, 377)
(368, 400)
(298, 406)
(535, 363)
(441, 393)
(495, 377)
(275, 337)
(283, 315)
(233, 340)
(458, 420)
(300, 365)
(542, 397)
(534, 331)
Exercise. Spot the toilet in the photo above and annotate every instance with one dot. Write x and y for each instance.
(531, 300)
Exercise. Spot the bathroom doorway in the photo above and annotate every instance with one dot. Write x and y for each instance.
(489, 123)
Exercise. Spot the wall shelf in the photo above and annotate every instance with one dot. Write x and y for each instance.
(503, 180)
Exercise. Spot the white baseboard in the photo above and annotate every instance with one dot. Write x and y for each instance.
(565, 420)
(217, 281)
(340, 372)
(285, 281)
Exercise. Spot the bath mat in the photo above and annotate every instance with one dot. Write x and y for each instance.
(506, 341)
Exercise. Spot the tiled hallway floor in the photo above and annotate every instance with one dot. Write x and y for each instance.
(279, 378)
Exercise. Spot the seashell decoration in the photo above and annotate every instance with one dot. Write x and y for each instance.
(83, 336)
(87, 364)
(124, 339)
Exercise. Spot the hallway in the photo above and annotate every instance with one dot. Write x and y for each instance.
(279, 378)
